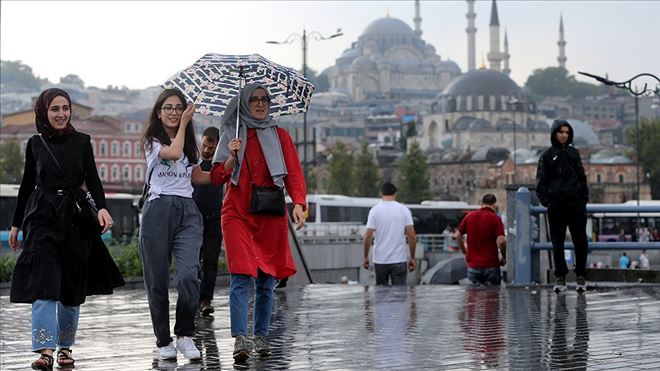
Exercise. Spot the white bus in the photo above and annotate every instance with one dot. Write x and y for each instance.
(347, 216)
(607, 226)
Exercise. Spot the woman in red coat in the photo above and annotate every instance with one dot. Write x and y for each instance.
(257, 245)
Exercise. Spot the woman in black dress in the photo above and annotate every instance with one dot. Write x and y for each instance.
(62, 262)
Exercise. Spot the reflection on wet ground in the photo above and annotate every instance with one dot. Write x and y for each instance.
(329, 327)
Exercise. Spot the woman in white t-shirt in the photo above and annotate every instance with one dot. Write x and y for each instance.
(171, 223)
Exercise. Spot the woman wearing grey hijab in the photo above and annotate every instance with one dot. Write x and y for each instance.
(257, 245)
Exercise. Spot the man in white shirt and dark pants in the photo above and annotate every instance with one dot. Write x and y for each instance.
(392, 223)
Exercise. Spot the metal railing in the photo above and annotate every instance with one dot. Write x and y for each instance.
(524, 246)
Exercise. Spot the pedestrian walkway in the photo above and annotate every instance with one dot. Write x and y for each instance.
(352, 327)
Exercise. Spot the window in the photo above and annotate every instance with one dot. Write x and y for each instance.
(115, 148)
(138, 149)
(139, 173)
(620, 178)
(103, 172)
(598, 178)
(127, 173)
(103, 148)
(127, 149)
(115, 173)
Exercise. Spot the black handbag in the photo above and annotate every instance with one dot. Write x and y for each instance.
(145, 190)
(266, 200)
(85, 209)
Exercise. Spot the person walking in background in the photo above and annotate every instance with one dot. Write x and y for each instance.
(561, 186)
(256, 244)
(624, 261)
(208, 198)
(644, 262)
(485, 233)
(392, 223)
(62, 262)
(171, 224)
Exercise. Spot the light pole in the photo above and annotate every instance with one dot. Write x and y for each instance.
(636, 93)
(515, 103)
(303, 39)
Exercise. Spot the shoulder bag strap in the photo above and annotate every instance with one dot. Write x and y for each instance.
(146, 186)
(52, 155)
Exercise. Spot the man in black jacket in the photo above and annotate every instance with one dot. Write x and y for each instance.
(562, 188)
(208, 198)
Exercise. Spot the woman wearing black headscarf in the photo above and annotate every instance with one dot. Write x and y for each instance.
(61, 262)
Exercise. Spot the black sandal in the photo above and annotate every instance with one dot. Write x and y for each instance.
(44, 362)
(64, 359)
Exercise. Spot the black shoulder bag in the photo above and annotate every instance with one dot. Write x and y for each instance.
(145, 189)
(85, 208)
(266, 200)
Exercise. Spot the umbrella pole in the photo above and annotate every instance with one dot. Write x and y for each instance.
(238, 101)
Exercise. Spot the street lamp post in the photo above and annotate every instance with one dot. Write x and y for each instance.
(636, 94)
(303, 39)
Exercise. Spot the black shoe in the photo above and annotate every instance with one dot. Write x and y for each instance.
(560, 285)
(261, 346)
(205, 308)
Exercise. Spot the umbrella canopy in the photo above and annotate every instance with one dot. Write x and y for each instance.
(448, 271)
(214, 79)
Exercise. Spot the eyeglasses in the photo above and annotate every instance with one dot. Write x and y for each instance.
(168, 109)
(255, 101)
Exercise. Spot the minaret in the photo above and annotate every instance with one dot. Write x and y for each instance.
(417, 20)
(562, 44)
(471, 32)
(506, 70)
(494, 55)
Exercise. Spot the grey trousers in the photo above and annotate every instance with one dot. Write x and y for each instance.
(397, 272)
(171, 226)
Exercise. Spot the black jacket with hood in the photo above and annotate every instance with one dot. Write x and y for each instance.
(560, 175)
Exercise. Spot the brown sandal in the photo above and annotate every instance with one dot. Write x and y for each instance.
(44, 362)
(64, 359)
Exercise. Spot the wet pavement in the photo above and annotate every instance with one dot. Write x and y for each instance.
(352, 327)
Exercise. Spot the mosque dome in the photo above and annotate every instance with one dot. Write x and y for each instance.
(482, 82)
(350, 53)
(363, 63)
(387, 26)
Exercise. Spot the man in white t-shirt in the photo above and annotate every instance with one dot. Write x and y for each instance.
(392, 223)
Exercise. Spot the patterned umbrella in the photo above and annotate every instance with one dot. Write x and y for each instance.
(214, 79)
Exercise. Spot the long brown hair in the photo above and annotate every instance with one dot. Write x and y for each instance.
(155, 129)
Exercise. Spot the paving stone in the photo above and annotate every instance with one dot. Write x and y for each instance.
(352, 327)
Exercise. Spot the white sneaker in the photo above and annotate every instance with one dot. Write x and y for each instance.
(167, 352)
(187, 347)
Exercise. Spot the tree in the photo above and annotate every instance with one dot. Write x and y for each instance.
(340, 170)
(14, 75)
(365, 174)
(649, 151)
(72, 80)
(11, 162)
(312, 181)
(556, 82)
(413, 181)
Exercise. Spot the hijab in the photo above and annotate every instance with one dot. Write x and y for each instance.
(266, 134)
(41, 115)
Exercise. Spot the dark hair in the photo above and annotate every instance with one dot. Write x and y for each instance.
(212, 133)
(489, 199)
(388, 189)
(155, 129)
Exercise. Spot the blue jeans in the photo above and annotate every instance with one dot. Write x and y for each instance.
(239, 291)
(53, 325)
(485, 276)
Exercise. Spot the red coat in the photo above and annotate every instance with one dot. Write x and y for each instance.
(259, 241)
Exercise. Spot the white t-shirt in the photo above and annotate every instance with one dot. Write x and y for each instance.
(169, 177)
(389, 219)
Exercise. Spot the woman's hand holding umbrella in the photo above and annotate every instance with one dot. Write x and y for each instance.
(187, 115)
(234, 146)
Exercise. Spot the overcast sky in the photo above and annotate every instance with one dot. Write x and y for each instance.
(141, 44)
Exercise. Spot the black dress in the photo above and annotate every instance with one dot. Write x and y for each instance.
(60, 260)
